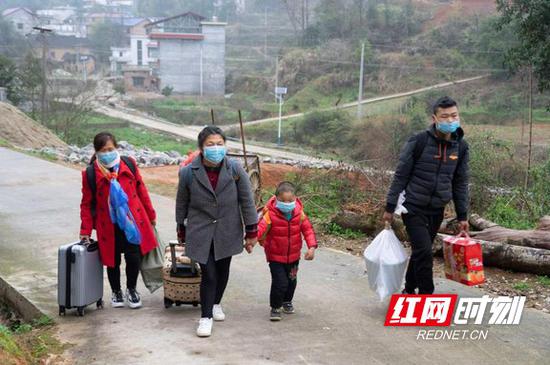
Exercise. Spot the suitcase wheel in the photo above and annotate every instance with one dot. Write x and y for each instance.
(80, 311)
(168, 303)
(99, 304)
(61, 310)
(195, 304)
(178, 303)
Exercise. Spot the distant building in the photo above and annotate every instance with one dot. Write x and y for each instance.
(23, 19)
(71, 54)
(191, 53)
(63, 20)
(120, 56)
(143, 50)
(138, 62)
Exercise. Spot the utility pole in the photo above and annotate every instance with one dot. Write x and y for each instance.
(360, 93)
(279, 92)
(265, 33)
(530, 127)
(276, 75)
(43, 32)
(201, 75)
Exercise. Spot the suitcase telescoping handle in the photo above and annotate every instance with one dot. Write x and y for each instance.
(174, 268)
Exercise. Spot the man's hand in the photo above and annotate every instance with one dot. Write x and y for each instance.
(387, 217)
(464, 226)
(310, 254)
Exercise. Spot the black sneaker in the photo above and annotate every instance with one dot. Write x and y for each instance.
(117, 299)
(133, 299)
(288, 308)
(275, 314)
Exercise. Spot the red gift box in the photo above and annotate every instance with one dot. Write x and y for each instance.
(463, 260)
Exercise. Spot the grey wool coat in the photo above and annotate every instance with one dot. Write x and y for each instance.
(214, 217)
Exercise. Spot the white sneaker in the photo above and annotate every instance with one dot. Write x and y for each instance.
(217, 313)
(205, 327)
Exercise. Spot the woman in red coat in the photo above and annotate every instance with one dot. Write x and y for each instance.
(280, 232)
(122, 215)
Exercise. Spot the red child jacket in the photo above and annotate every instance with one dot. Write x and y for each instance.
(139, 203)
(282, 238)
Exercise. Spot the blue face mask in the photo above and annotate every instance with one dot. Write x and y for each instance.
(215, 154)
(286, 207)
(448, 127)
(107, 158)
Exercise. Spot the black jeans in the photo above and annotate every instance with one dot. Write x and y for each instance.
(215, 275)
(132, 256)
(422, 229)
(283, 283)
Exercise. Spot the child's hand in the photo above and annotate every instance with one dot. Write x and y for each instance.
(310, 254)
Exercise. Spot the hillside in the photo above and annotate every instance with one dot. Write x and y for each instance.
(19, 130)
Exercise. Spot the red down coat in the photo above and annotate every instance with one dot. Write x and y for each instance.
(282, 238)
(138, 201)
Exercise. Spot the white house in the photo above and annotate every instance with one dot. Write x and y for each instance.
(120, 56)
(23, 19)
(144, 51)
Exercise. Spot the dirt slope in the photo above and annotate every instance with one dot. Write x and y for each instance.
(19, 130)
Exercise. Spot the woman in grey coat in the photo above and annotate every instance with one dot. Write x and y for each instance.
(215, 197)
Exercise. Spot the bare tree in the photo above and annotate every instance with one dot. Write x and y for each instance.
(298, 14)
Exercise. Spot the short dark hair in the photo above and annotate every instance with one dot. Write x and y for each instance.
(209, 131)
(285, 187)
(443, 102)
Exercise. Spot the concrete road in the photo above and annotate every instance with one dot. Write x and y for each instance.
(338, 320)
(191, 132)
(354, 104)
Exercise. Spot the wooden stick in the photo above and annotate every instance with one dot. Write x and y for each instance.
(243, 141)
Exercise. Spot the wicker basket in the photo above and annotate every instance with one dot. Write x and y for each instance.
(180, 290)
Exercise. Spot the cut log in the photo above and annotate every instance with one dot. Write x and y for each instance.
(508, 257)
(489, 231)
(358, 222)
(370, 224)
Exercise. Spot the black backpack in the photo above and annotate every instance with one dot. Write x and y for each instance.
(90, 177)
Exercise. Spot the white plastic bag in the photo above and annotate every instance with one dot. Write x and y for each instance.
(386, 262)
(400, 209)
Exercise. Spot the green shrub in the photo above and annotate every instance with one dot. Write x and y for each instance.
(348, 233)
(544, 280)
(521, 286)
(167, 90)
(503, 211)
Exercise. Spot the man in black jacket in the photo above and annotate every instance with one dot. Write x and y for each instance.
(432, 170)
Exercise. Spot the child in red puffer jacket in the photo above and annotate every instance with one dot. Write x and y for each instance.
(280, 232)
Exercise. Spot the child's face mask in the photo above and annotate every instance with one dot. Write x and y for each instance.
(286, 207)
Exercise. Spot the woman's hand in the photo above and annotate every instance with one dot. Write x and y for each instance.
(154, 223)
(250, 243)
(310, 254)
(85, 237)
